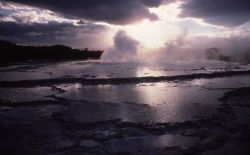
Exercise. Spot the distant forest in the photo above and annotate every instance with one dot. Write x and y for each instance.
(11, 52)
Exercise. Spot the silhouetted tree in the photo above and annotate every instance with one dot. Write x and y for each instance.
(11, 52)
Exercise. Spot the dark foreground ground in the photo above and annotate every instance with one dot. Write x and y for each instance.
(184, 116)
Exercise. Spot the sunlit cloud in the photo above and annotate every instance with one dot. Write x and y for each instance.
(90, 30)
(28, 15)
(154, 34)
(167, 12)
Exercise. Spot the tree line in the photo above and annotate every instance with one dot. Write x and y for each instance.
(12, 52)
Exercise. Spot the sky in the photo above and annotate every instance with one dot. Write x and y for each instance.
(126, 25)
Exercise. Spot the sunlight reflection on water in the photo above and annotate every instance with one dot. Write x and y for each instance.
(158, 102)
(149, 102)
(93, 70)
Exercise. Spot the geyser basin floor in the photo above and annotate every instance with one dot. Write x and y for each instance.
(198, 116)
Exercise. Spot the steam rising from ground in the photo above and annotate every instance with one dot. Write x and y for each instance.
(126, 49)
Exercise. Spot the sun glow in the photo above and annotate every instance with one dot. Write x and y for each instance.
(153, 34)
(148, 33)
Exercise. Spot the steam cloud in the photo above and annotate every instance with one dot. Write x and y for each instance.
(125, 49)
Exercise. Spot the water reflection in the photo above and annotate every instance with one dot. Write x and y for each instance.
(149, 71)
(160, 102)
(109, 70)
(148, 144)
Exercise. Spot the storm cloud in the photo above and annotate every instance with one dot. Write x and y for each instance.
(49, 33)
(229, 13)
(111, 11)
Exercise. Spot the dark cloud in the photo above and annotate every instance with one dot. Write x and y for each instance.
(14, 29)
(112, 11)
(218, 12)
(49, 33)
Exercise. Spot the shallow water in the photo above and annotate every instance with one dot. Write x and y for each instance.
(192, 114)
(93, 70)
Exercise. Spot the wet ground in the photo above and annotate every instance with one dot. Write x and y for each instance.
(103, 108)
